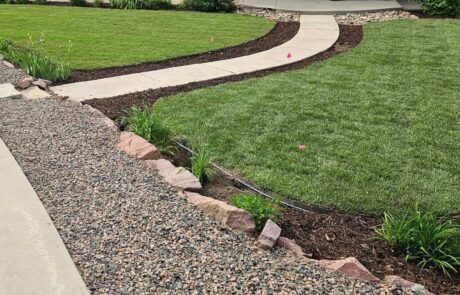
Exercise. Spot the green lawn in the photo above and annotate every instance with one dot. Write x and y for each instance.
(381, 123)
(103, 38)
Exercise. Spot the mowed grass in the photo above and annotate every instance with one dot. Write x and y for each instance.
(100, 38)
(380, 123)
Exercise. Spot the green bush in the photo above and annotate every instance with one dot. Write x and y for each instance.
(81, 3)
(209, 5)
(142, 4)
(145, 123)
(424, 238)
(261, 209)
(34, 62)
(41, 2)
(202, 165)
(441, 7)
(98, 3)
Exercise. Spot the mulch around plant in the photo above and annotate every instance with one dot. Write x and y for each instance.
(114, 107)
(281, 33)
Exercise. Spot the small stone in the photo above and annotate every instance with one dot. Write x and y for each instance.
(8, 91)
(43, 84)
(351, 267)
(290, 245)
(225, 214)
(138, 147)
(35, 93)
(398, 283)
(8, 64)
(269, 235)
(178, 177)
(24, 83)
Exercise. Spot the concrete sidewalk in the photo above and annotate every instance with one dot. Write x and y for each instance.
(317, 33)
(324, 6)
(33, 258)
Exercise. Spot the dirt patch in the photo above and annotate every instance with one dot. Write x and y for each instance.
(281, 33)
(114, 107)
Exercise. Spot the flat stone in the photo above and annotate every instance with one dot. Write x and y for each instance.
(349, 266)
(24, 83)
(138, 147)
(35, 93)
(290, 245)
(397, 283)
(269, 235)
(8, 91)
(178, 177)
(225, 214)
(8, 64)
(43, 84)
(33, 258)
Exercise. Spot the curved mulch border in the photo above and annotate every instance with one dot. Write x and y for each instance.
(281, 33)
(114, 107)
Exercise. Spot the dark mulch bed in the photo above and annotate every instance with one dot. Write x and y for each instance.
(281, 33)
(114, 107)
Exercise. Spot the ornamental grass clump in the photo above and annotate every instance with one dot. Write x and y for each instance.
(424, 238)
(202, 165)
(142, 4)
(145, 123)
(261, 209)
(34, 62)
(210, 5)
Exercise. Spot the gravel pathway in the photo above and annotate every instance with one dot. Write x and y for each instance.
(10, 75)
(130, 233)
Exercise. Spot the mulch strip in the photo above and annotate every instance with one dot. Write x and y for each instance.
(281, 33)
(114, 107)
(323, 235)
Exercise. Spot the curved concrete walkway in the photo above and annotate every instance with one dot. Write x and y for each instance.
(33, 258)
(317, 33)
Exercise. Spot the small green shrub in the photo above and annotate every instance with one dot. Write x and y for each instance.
(34, 62)
(202, 165)
(21, 1)
(41, 2)
(98, 3)
(441, 7)
(142, 4)
(209, 5)
(145, 123)
(261, 209)
(424, 238)
(81, 3)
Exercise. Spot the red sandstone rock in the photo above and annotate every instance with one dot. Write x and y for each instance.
(290, 245)
(178, 177)
(269, 235)
(351, 267)
(138, 147)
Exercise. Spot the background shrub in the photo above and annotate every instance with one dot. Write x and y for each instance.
(145, 123)
(81, 3)
(41, 2)
(210, 5)
(424, 238)
(141, 4)
(98, 3)
(34, 62)
(441, 7)
(261, 209)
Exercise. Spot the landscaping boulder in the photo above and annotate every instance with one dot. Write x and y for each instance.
(407, 287)
(178, 177)
(24, 83)
(290, 245)
(269, 235)
(8, 64)
(35, 93)
(351, 267)
(43, 84)
(138, 147)
(225, 214)
(8, 91)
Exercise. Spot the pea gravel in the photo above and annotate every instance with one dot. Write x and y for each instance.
(130, 233)
(10, 75)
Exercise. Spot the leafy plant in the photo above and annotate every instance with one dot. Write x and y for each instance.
(142, 4)
(202, 165)
(145, 123)
(41, 2)
(209, 5)
(441, 7)
(261, 209)
(34, 62)
(81, 3)
(98, 3)
(424, 238)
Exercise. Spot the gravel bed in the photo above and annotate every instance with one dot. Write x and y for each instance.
(369, 17)
(10, 75)
(130, 233)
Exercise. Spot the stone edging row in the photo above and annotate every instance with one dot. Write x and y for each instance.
(240, 220)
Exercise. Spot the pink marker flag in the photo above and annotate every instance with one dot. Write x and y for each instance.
(289, 55)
